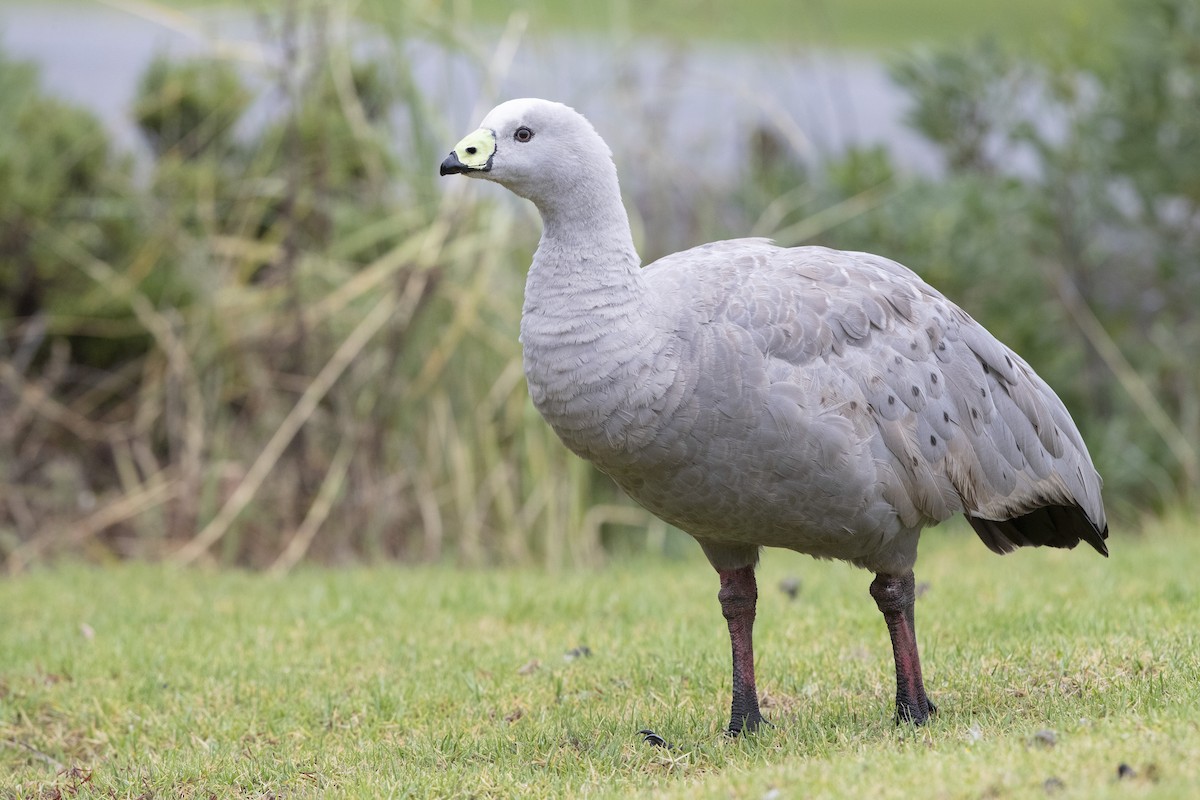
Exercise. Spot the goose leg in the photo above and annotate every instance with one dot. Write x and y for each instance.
(738, 596)
(896, 595)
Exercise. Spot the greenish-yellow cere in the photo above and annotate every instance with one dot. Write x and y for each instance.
(476, 149)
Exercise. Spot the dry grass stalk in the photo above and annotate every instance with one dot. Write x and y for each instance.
(156, 491)
(318, 512)
(304, 408)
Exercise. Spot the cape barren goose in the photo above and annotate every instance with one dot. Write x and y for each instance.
(829, 402)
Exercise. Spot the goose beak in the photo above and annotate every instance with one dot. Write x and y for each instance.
(473, 154)
(452, 166)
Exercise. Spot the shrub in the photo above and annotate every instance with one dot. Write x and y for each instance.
(1066, 222)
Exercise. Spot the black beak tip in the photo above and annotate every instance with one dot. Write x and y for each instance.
(452, 166)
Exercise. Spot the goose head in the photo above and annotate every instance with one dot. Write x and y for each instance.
(540, 150)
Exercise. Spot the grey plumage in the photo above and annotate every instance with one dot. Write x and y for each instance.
(827, 402)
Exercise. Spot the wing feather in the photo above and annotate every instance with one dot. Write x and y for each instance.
(968, 413)
(954, 419)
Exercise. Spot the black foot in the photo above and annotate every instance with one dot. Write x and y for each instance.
(914, 714)
(747, 725)
(652, 738)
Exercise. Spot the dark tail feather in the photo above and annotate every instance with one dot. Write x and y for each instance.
(1052, 526)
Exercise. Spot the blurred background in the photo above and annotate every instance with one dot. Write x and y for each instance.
(242, 321)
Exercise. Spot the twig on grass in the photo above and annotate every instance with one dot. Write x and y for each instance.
(58, 766)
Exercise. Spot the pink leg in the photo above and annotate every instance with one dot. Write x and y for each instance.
(896, 596)
(738, 596)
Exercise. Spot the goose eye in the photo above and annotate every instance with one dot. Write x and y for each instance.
(523, 134)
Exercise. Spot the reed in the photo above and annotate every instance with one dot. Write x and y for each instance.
(313, 349)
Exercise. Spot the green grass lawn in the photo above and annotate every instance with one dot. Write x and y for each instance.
(1050, 669)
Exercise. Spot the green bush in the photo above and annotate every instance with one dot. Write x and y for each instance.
(59, 172)
(323, 344)
(190, 109)
(1066, 223)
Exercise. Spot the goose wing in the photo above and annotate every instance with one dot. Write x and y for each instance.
(955, 420)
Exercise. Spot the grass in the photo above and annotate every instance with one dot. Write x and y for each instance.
(858, 24)
(866, 24)
(1050, 668)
